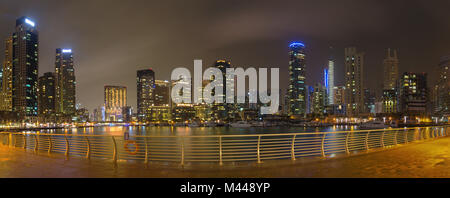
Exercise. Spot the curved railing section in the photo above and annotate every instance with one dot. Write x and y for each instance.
(220, 149)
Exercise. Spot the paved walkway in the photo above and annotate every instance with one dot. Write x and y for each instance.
(426, 159)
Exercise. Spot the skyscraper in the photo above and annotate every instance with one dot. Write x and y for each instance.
(47, 95)
(161, 109)
(297, 77)
(25, 68)
(318, 99)
(309, 99)
(115, 96)
(1, 77)
(223, 111)
(115, 101)
(414, 93)
(389, 101)
(442, 96)
(339, 107)
(339, 95)
(65, 82)
(369, 101)
(145, 93)
(7, 77)
(331, 64)
(162, 93)
(354, 93)
(390, 64)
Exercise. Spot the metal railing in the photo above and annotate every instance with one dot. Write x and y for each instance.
(220, 148)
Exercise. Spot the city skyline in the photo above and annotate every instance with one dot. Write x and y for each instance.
(92, 62)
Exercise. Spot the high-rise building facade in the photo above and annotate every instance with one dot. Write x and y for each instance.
(65, 82)
(319, 99)
(161, 109)
(224, 111)
(442, 88)
(330, 76)
(309, 99)
(115, 101)
(391, 75)
(413, 93)
(354, 92)
(47, 95)
(25, 68)
(389, 101)
(330, 81)
(369, 101)
(338, 106)
(297, 78)
(339, 95)
(162, 93)
(115, 96)
(145, 93)
(7, 77)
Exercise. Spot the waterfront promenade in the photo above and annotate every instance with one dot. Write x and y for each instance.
(422, 159)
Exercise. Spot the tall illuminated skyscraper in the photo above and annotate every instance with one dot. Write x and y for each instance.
(331, 64)
(7, 77)
(115, 102)
(354, 89)
(390, 64)
(223, 111)
(47, 95)
(318, 99)
(115, 96)
(161, 108)
(297, 77)
(65, 82)
(25, 69)
(413, 93)
(145, 93)
(442, 88)
(1, 77)
(162, 93)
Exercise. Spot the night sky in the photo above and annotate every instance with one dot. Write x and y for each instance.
(112, 39)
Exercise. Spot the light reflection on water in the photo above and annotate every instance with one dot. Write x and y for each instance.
(187, 131)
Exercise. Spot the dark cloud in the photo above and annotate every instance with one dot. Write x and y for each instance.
(112, 39)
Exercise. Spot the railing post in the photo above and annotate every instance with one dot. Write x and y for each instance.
(36, 142)
(382, 139)
(395, 137)
(366, 141)
(182, 151)
(347, 150)
(24, 141)
(322, 145)
(258, 149)
(422, 135)
(88, 144)
(220, 151)
(15, 140)
(3, 139)
(146, 150)
(406, 137)
(50, 144)
(115, 150)
(10, 142)
(67, 146)
(293, 148)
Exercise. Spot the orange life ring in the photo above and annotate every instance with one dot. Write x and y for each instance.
(128, 142)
